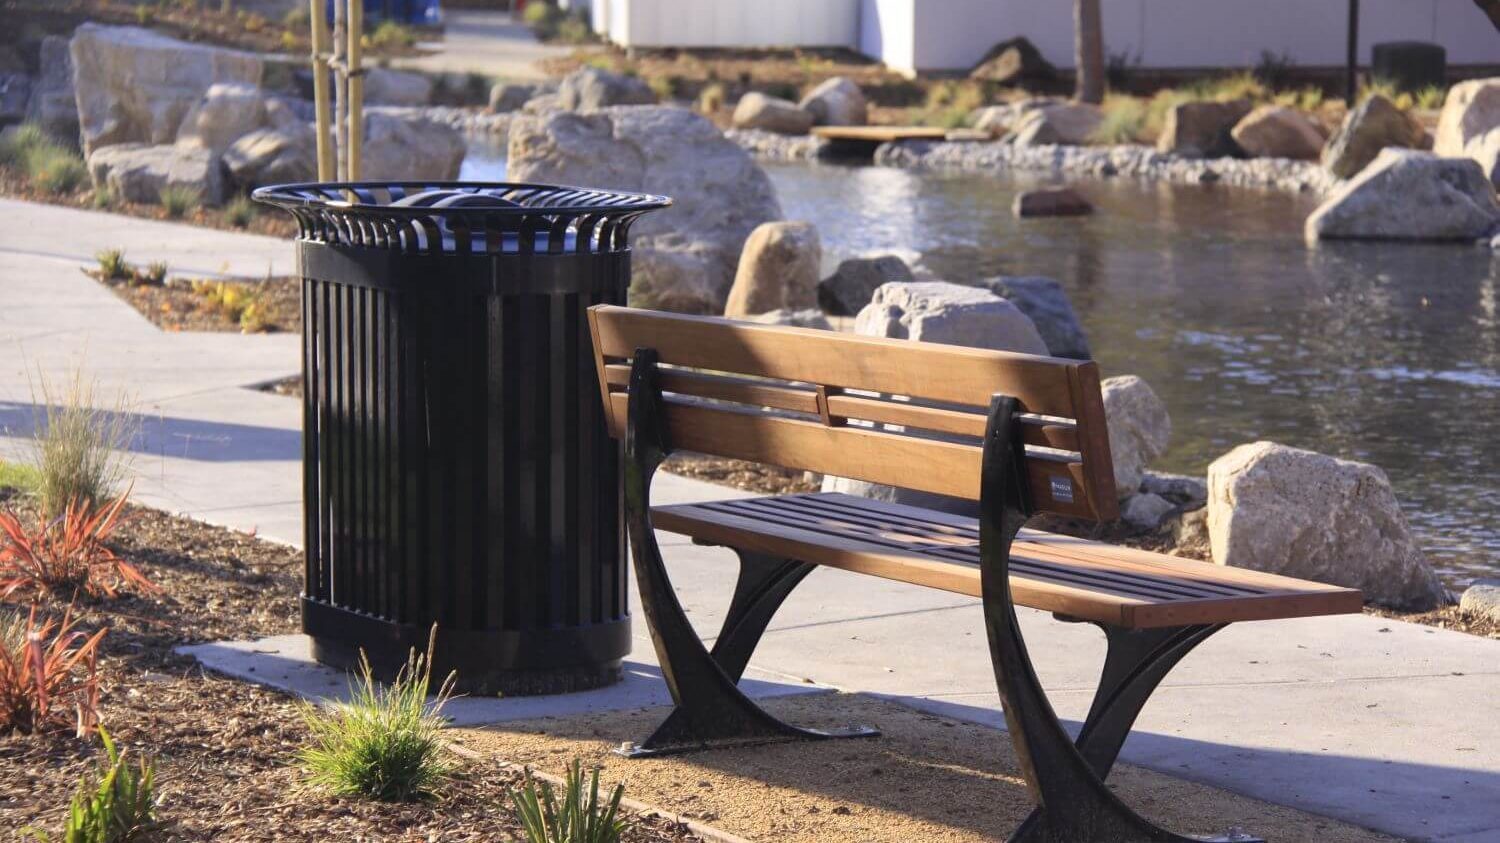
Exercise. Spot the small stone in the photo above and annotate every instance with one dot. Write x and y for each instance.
(1050, 202)
(853, 284)
(1065, 123)
(1482, 600)
(1190, 535)
(1179, 488)
(510, 96)
(592, 88)
(778, 269)
(837, 101)
(1139, 429)
(1145, 510)
(772, 114)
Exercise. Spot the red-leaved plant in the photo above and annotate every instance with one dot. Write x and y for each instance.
(66, 554)
(48, 675)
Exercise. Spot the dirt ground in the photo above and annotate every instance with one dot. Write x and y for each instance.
(175, 306)
(926, 778)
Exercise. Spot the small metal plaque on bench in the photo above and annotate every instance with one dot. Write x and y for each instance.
(1062, 489)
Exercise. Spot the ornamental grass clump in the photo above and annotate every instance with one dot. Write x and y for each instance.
(80, 450)
(1124, 120)
(66, 555)
(177, 199)
(49, 677)
(384, 743)
(115, 804)
(579, 817)
(240, 211)
(112, 264)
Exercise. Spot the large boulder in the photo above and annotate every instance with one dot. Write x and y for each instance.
(403, 147)
(590, 88)
(1275, 131)
(1139, 429)
(1409, 195)
(1201, 129)
(396, 87)
(136, 86)
(772, 114)
(273, 156)
(1469, 126)
(936, 311)
(853, 284)
(53, 106)
(1481, 601)
(1308, 515)
(510, 96)
(226, 112)
(1374, 125)
(137, 172)
(778, 270)
(836, 102)
(684, 258)
(1047, 306)
(1013, 62)
(996, 120)
(1063, 123)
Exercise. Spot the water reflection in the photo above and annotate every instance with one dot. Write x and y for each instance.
(1383, 353)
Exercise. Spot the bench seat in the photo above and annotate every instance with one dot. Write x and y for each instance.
(1077, 578)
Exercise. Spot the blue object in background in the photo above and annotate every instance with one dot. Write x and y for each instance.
(409, 12)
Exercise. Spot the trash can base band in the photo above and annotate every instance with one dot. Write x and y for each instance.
(487, 662)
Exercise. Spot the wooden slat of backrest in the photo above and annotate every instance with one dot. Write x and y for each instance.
(1093, 442)
(944, 468)
(948, 373)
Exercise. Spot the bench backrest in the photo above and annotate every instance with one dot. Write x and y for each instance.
(889, 411)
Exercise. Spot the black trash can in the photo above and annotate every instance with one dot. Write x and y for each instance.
(457, 468)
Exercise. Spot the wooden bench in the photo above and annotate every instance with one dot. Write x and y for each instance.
(1020, 434)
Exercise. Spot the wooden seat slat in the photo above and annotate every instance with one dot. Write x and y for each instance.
(1061, 574)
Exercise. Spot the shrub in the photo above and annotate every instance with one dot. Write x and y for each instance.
(1124, 120)
(78, 451)
(112, 264)
(103, 197)
(229, 299)
(1431, 97)
(154, 275)
(384, 742)
(18, 144)
(948, 104)
(49, 675)
(116, 804)
(298, 17)
(66, 554)
(1274, 69)
(240, 211)
(711, 98)
(389, 35)
(575, 29)
(543, 18)
(577, 818)
(666, 87)
(55, 170)
(1307, 98)
(22, 478)
(177, 199)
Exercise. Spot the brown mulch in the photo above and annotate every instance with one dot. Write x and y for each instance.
(225, 750)
(175, 306)
(749, 476)
(1448, 617)
(201, 21)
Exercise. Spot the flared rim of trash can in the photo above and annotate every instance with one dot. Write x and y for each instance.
(426, 198)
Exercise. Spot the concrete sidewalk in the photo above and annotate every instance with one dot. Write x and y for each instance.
(489, 43)
(1381, 723)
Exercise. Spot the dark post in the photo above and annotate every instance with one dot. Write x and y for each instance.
(457, 468)
(1351, 70)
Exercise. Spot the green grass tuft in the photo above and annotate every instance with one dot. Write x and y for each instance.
(117, 804)
(240, 211)
(22, 478)
(55, 170)
(579, 817)
(112, 264)
(384, 743)
(79, 450)
(178, 199)
(15, 146)
(1124, 120)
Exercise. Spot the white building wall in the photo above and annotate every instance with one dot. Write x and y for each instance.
(733, 23)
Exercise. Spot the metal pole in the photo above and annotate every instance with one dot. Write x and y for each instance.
(1351, 75)
(356, 89)
(320, 89)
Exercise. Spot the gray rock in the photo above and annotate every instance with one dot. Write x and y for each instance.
(1374, 125)
(1190, 535)
(999, 119)
(1013, 62)
(403, 147)
(137, 172)
(1139, 429)
(1050, 202)
(542, 103)
(1064, 123)
(590, 88)
(836, 101)
(1409, 195)
(1178, 488)
(853, 284)
(226, 112)
(136, 86)
(1308, 515)
(772, 114)
(384, 86)
(15, 93)
(510, 96)
(1201, 129)
(808, 318)
(273, 156)
(1482, 600)
(683, 258)
(1469, 125)
(778, 270)
(1146, 510)
(53, 106)
(1047, 306)
(1274, 131)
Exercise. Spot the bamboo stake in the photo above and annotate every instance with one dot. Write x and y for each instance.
(356, 89)
(320, 90)
(340, 88)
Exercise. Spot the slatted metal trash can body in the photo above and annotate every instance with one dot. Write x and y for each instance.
(457, 467)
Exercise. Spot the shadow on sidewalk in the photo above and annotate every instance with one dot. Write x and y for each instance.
(177, 438)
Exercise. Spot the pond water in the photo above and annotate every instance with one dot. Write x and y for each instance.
(1378, 352)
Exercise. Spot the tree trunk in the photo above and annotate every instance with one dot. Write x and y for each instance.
(1088, 49)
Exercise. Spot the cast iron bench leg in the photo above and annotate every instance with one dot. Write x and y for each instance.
(1065, 779)
(711, 709)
